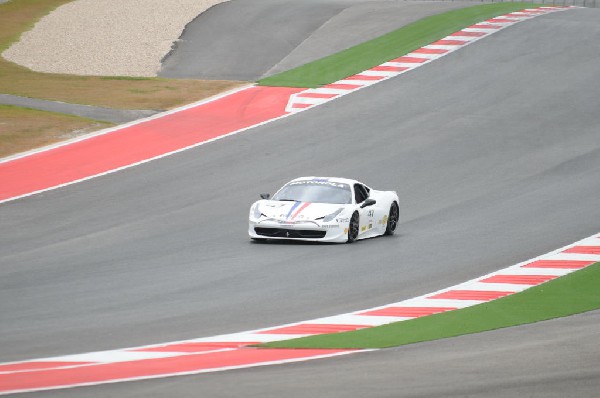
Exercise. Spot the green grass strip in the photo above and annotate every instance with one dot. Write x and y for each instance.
(392, 45)
(571, 294)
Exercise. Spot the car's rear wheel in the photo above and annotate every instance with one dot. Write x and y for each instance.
(353, 228)
(392, 221)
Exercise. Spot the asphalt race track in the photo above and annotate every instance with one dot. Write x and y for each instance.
(494, 151)
(247, 40)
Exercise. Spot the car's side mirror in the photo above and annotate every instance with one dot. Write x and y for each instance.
(367, 203)
(265, 195)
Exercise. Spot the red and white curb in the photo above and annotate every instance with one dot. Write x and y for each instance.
(395, 67)
(232, 351)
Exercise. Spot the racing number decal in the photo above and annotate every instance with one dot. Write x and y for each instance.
(369, 222)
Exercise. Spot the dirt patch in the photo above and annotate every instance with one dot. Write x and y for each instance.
(106, 38)
(17, 17)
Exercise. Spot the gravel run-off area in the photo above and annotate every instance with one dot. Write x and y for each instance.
(106, 37)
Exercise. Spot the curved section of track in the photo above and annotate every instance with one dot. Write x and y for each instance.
(494, 150)
(290, 33)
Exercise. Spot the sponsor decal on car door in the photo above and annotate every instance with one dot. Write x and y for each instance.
(366, 219)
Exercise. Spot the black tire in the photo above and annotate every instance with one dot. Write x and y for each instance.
(259, 240)
(353, 227)
(392, 221)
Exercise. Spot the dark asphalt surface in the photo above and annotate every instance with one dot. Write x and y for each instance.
(247, 40)
(494, 151)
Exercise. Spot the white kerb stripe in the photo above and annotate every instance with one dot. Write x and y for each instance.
(378, 73)
(113, 356)
(575, 257)
(442, 47)
(427, 57)
(428, 302)
(358, 82)
(352, 319)
(402, 64)
(494, 287)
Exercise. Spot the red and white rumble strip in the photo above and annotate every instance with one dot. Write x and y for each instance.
(231, 351)
(317, 96)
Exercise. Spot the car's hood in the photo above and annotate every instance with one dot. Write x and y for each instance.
(296, 211)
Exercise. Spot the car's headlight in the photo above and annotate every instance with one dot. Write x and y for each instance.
(330, 217)
(256, 213)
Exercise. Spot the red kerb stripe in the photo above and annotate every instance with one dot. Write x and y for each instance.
(519, 279)
(152, 367)
(430, 51)
(572, 264)
(584, 250)
(410, 60)
(382, 68)
(301, 105)
(309, 328)
(469, 34)
(470, 295)
(317, 95)
(449, 43)
(342, 86)
(408, 312)
(364, 77)
(139, 142)
(195, 347)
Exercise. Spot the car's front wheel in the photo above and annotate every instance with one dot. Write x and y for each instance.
(393, 217)
(353, 228)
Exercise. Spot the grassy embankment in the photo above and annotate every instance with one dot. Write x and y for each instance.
(571, 294)
(22, 129)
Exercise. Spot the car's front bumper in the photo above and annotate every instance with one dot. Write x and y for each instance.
(301, 230)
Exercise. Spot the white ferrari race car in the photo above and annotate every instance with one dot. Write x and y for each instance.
(324, 209)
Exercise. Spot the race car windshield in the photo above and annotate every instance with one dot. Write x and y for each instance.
(315, 192)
